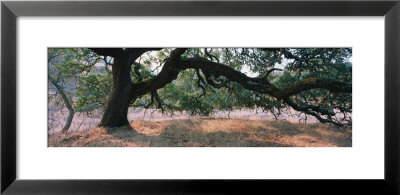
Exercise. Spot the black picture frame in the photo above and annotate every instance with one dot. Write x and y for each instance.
(10, 10)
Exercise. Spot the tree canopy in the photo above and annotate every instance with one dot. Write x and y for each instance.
(200, 81)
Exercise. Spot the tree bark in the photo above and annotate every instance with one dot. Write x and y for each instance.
(115, 114)
(69, 120)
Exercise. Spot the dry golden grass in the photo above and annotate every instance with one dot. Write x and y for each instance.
(208, 132)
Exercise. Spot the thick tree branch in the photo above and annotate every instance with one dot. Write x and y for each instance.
(168, 73)
(210, 81)
(217, 70)
(174, 65)
(261, 85)
(314, 83)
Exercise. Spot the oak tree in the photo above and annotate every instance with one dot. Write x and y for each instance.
(312, 81)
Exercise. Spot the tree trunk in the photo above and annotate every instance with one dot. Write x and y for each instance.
(69, 120)
(67, 103)
(115, 114)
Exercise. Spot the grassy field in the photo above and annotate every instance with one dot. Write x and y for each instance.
(208, 132)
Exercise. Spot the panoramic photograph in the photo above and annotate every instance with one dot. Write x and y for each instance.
(199, 97)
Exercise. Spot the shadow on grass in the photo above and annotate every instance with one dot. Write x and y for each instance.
(179, 137)
(206, 132)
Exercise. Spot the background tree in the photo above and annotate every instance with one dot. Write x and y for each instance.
(66, 68)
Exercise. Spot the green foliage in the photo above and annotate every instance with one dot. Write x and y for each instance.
(184, 94)
(92, 90)
(89, 85)
(74, 69)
